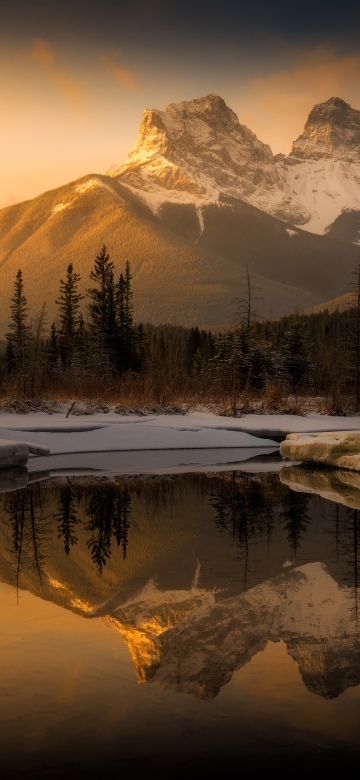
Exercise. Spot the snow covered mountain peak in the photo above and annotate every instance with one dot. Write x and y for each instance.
(196, 151)
(332, 131)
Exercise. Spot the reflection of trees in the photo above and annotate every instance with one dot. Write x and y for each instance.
(108, 514)
(295, 517)
(29, 528)
(350, 545)
(66, 517)
(109, 509)
(121, 522)
(246, 509)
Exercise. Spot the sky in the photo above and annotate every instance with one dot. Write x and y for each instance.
(76, 76)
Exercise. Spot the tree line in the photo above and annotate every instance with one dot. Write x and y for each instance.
(95, 347)
(108, 341)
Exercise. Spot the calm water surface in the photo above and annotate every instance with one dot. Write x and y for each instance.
(178, 624)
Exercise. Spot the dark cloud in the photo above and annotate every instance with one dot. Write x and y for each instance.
(151, 22)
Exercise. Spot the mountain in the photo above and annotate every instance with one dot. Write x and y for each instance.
(196, 150)
(176, 277)
(178, 598)
(323, 170)
(190, 604)
(332, 132)
(341, 303)
(198, 200)
(193, 641)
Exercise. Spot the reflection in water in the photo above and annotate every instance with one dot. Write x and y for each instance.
(248, 509)
(296, 518)
(109, 512)
(198, 574)
(66, 516)
(342, 487)
(29, 529)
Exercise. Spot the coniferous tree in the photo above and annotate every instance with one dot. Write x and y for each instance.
(19, 337)
(355, 341)
(126, 344)
(102, 303)
(69, 315)
(122, 518)
(52, 347)
(297, 348)
(295, 517)
(67, 518)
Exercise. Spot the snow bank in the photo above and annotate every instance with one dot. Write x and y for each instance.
(16, 453)
(133, 443)
(334, 448)
(113, 443)
(280, 425)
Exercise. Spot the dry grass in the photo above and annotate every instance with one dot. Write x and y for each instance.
(155, 393)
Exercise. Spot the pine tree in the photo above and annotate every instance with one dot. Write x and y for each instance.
(102, 306)
(67, 518)
(69, 315)
(19, 337)
(356, 337)
(126, 343)
(297, 353)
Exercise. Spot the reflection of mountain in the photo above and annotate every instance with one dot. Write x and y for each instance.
(193, 641)
(340, 485)
(194, 572)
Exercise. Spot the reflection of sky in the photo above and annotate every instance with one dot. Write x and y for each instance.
(77, 78)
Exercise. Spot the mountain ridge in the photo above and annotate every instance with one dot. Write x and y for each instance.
(198, 201)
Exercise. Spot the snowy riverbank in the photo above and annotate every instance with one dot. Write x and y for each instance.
(113, 443)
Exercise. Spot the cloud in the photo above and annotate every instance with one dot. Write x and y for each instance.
(71, 88)
(123, 76)
(277, 104)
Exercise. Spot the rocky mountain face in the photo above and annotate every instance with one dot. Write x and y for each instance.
(193, 641)
(197, 151)
(332, 131)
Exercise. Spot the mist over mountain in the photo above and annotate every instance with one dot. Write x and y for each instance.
(198, 200)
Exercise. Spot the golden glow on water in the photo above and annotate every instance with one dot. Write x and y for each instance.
(271, 684)
(69, 682)
(235, 657)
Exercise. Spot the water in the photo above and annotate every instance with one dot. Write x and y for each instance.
(179, 624)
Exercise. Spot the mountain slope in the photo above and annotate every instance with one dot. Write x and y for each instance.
(182, 273)
(199, 200)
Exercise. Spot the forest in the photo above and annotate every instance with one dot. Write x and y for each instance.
(95, 351)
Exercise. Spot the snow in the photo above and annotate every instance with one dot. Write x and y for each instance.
(112, 443)
(16, 453)
(284, 424)
(193, 640)
(324, 188)
(331, 448)
(59, 207)
(194, 151)
(197, 441)
(88, 185)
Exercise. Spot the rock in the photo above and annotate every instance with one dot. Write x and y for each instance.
(336, 448)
